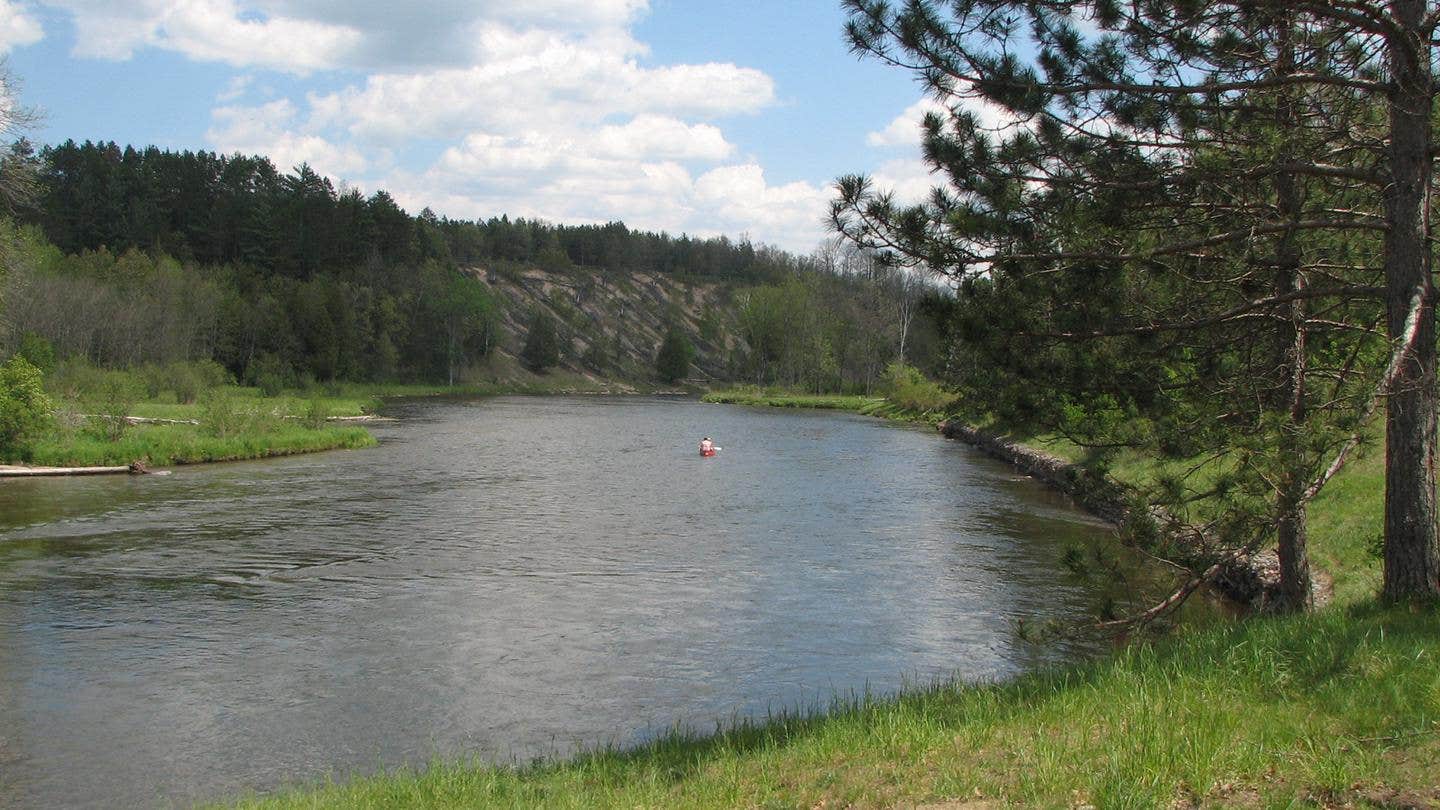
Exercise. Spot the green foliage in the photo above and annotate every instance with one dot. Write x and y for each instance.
(316, 413)
(110, 402)
(25, 410)
(542, 343)
(271, 374)
(164, 445)
(222, 416)
(38, 351)
(596, 358)
(672, 360)
(908, 388)
(187, 380)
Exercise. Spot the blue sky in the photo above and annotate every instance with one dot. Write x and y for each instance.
(679, 115)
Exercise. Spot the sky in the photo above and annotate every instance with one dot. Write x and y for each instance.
(687, 116)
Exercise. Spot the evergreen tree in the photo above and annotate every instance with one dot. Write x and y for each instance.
(672, 360)
(542, 343)
(1200, 184)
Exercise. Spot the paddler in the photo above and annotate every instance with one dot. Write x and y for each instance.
(707, 447)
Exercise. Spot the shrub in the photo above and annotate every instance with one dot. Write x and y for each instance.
(74, 379)
(24, 409)
(907, 387)
(220, 415)
(38, 351)
(154, 379)
(111, 400)
(271, 374)
(595, 357)
(316, 412)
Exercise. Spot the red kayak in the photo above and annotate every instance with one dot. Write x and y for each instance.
(707, 453)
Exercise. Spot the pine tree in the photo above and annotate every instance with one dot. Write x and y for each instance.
(542, 343)
(672, 360)
(1210, 180)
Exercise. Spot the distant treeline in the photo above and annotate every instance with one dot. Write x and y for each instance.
(130, 257)
(229, 209)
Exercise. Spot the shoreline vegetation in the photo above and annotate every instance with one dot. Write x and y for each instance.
(1339, 707)
(91, 427)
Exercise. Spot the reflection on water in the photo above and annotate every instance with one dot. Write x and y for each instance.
(512, 578)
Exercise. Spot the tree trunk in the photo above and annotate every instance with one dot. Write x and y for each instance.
(1296, 593)
(1412, 557)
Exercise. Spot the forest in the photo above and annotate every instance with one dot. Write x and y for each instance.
(127, 257)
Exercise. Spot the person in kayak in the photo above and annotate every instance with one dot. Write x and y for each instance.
(707, 447)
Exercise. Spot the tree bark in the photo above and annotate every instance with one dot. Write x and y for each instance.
(1292, 540)
(1412, 556)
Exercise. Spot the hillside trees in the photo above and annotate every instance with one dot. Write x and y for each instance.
(1223, 204)
(467, 317)
(673, 357)
(161, 256)
(542, 343)
(17, 159)
(217, 209)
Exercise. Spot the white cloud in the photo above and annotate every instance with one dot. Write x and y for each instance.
(905, 129)
(208, 30)
(306, 35)
(17, 26)
(268, 130)
(658, 136)
(488, 176)
(236, 88)
(739, 198)
(538, 80)
(549, 109)
(909, 178)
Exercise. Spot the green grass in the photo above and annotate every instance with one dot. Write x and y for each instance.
(166, 445)
(776, 398)
(346, 402)
(259, 427)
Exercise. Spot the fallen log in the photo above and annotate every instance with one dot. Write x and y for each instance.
(18, 471)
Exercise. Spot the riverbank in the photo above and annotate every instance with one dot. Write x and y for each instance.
(234, 423)
(877, 406)
(227, 423)
(1337, 708)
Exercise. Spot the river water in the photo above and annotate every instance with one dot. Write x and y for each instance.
(507, 578)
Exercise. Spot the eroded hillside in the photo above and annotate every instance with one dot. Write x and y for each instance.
(611, 324)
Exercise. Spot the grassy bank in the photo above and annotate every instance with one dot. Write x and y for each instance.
(166, 445)
(773, 398)
(225, 423)
(1339, 708)
(779, 398)
(230, 422)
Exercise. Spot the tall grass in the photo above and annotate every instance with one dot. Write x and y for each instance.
(780, 398)
(165, 445)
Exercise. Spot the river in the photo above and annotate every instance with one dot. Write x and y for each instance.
(507, 578)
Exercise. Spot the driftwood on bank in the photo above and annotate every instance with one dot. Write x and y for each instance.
(22, 471)
(17, 471)
(1251, 579)
(141, 420)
